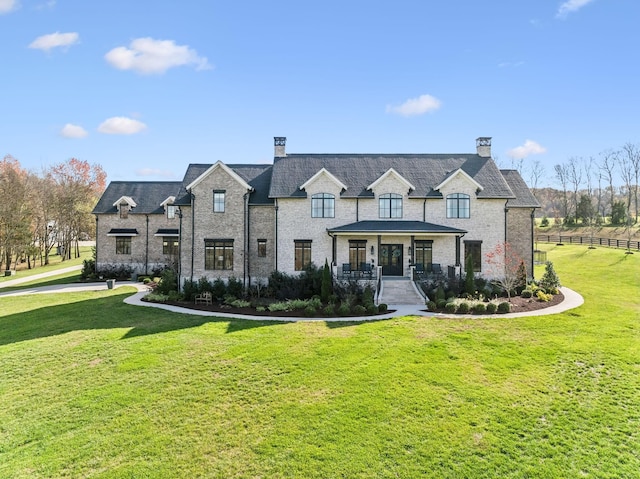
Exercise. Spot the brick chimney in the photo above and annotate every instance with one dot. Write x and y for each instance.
(280, 143)
(483, 146)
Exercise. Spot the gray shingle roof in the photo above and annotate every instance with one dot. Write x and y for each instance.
(524, 198)
(424, 171)
(396, 227)
(147, 194)
(258, 176)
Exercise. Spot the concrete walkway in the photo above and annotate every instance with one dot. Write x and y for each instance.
(400, 291)
(571, 300)
(34, 277)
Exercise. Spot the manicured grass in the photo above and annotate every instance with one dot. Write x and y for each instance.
(55, 263)
(91, 387)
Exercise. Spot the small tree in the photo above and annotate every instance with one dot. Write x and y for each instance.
(504, 266)
(325, 287)
(550, 280)
(522, 277)
(469, 278)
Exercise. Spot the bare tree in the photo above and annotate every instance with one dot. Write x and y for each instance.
(632, 153)
(625, 162)
(562, 175)
(574, 173)
(608, 169)
(536, 172)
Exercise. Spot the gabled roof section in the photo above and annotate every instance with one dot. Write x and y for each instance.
(125, 199)
(388, 173)
(258, 176)
(456, 173)
(359, 171)
(148, 196)
(169, 201)
(225, 168)
(524, 198)
(326, 172)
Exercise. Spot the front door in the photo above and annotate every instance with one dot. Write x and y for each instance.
(391, 259)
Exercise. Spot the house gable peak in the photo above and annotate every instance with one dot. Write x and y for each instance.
(226, 169)
(455, 174)
(328, 174)
(388, 173)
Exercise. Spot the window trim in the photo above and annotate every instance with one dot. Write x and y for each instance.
(469, 247)
(171, 211)
(170, 246)
(123, 245)
(391, 209)
(219, 206)
(455, 204)
(302, 248)
(357, 253)
(262, 248)
(323, 203)
(217, 248)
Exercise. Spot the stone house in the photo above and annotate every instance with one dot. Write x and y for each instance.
(364, 214)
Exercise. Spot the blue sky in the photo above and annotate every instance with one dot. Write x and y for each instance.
(145, 88)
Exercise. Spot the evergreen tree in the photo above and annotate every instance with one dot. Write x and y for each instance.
(325, 286)
(469, 278)
(550, 280)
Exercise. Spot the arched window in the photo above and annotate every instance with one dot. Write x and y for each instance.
(390, 206)
(458, 205)
(323, 205)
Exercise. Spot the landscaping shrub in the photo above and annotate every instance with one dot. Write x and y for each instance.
(218, 289)
(329, 310)
(527, 293)
(175, 296)
(344, 309)
(88, 269)
(504, 307)
(469, 279)
(240, 303)
(235, 287)
(544, 297)
(479, 308)
(157, 297)
(431, 305)
(450, 308)
(382, 308)
(310, 311)
(463, 307)
(441, 303)
(440, 293)
(168, 282)
(549, 280)
(359, 310)
(325, 288)
(372, 309)
(492, 308)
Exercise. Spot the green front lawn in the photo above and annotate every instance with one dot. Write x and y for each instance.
(91, 387)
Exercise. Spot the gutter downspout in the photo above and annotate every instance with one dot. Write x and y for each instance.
(97, 236)
(180, 250)
(333, 247)
(193, 230)
(245, 269)
(533, 215)
(424, 210)
(276, 236)
(146, 251)
(506, 213)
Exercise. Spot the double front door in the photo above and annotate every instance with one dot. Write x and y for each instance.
(390, 258)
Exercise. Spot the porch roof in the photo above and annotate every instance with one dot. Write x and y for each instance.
(396, 227)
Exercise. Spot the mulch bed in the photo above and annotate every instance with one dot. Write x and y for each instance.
(518, 305)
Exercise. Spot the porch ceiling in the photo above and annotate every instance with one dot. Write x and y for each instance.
(395, 227)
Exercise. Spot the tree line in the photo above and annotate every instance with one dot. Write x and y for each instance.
(588, 191)
(51, 209)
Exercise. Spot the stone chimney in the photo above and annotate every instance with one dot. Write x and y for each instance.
(280, 143)
(483, 146)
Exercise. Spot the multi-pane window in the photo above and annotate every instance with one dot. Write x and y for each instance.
(302, 254)
(124, 211)
(390, 205)
(170, 245)
(123, 244)
(458, 205)
(423, 253)
(171, 211)
(323, 205)
(473, 249)
(262, 248)
(357, 254)
(218, 254)
(218, 201)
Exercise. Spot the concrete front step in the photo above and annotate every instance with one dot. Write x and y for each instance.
(399, 292)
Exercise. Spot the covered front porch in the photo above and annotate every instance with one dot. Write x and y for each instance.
(393, 248)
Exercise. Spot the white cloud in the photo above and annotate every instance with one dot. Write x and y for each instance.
(53, 40)
(148, 56)
(120, 125)
(7, 5)
(155, 172)
(529, 148)
(571, 6)
(415, 106)
(73, 131)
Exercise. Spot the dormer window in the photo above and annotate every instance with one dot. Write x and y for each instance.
(390, 205)
(124, 211)
(171, 211)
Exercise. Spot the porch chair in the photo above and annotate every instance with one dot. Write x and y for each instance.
(204, 298)
(436, 270)
(419, 270)
(346, 270)
(365, 270)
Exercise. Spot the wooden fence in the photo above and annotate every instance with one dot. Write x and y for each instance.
(588, 241)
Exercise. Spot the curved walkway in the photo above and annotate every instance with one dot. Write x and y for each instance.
(571, 300)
